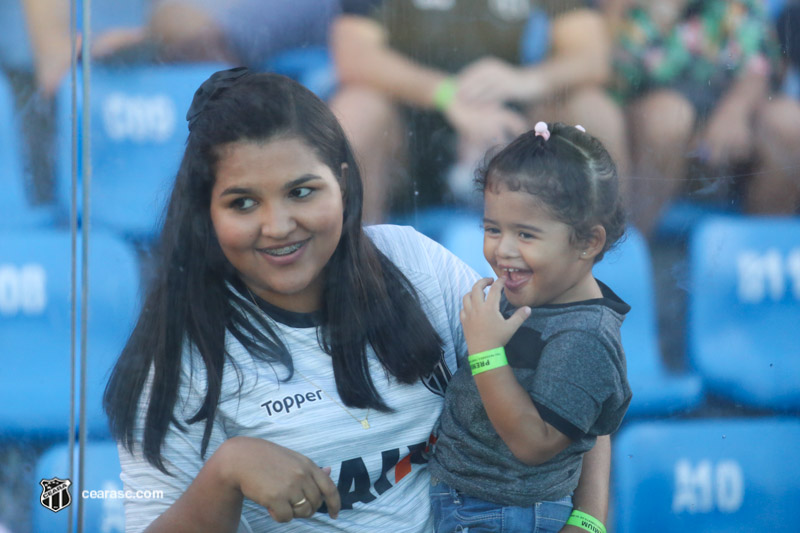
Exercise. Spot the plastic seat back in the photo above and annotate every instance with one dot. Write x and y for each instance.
(744, 308)
(138, 135)
(35, 327)
(720, 475)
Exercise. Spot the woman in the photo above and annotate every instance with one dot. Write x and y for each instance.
(286, 363)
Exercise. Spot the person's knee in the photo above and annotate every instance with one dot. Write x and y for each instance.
(664, 118)
(593, 108)
(778, 126)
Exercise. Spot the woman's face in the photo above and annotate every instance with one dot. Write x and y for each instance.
(277, 211)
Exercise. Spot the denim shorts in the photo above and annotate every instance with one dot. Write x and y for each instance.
(456, 512)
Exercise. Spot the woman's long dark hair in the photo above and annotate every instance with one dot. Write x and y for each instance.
(366, 299)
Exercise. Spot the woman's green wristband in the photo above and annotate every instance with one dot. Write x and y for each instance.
(488, 360)
(444, 94)
(586, 521)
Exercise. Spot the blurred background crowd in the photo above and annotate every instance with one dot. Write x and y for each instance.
(697, 100)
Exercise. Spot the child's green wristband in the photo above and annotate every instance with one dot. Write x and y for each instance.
(586, 521)
(444, 94)
(488, 360)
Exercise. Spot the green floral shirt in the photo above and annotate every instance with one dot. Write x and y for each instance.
(700, 55)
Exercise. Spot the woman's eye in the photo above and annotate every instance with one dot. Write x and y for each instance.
(301, 192)
(243, 204)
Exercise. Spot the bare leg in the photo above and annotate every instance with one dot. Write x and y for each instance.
(661, 124)
(184, 32)
(775, 187)
(374, 128)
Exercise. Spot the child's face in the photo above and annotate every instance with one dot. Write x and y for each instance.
(523, 242)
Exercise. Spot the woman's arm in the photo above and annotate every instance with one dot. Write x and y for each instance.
(270, 475)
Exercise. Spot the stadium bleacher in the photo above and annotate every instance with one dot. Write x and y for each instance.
(744, 306)
(35, 327)
(677, 467)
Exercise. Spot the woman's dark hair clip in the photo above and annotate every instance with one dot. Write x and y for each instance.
(211, 89)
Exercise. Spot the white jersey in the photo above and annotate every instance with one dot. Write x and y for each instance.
(381, 471)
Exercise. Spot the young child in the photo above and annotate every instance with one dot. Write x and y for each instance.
(546, 372)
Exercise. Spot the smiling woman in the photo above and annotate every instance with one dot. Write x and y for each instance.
(287, 363)
(277, 212)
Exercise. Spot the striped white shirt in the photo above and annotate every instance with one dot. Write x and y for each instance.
(381, 471)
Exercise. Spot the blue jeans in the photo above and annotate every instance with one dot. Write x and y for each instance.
(454, 512)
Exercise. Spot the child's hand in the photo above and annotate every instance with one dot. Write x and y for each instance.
(484, 326)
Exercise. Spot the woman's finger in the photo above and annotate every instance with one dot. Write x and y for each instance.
(281, 511)
(328, 491)
(313, 499)
(303, 507)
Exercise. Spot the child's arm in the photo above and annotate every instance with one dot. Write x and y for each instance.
(508, 405)
(591, 494)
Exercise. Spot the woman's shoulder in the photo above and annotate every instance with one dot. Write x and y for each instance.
(400, 243)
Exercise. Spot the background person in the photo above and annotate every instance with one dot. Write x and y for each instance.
(428, 87)
(696, 77)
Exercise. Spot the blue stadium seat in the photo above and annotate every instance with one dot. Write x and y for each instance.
(656, 391)
(35, 327)
(312, 66)
(744, 309)
(138, 134)
(16, 211)
(457, 228)
(628, 272)
(104, 514)
(719, 475)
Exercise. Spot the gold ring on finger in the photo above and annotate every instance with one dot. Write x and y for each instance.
(301, 502)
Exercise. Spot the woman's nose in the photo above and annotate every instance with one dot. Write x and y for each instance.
(277, 222)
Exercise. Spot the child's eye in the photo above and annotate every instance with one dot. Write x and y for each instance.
(301, 192)
(243, 204)
(525, 235)
(491, 231)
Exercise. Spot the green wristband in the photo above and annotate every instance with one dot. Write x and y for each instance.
(444, 94)
(586, 521)
(488, 360)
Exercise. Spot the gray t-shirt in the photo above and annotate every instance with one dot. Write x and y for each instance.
(569, 358)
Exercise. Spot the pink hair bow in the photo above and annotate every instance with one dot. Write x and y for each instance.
(541, 130)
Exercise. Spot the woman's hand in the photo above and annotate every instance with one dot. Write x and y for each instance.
(484, 326)
(289, 485)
